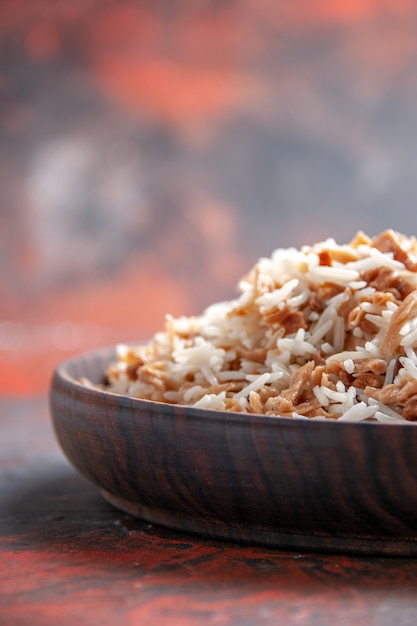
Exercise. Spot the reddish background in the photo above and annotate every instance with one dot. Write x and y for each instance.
(151, 152)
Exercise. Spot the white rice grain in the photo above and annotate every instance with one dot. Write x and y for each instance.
(358, 413)
(349, 365)
(254, 385)
(212, 401)
(410, 339)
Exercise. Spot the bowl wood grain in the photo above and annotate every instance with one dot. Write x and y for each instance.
(288, 483)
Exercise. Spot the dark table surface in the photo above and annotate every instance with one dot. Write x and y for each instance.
(68, 557)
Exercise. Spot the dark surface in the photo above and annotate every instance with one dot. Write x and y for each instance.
(279, 482)
(68, 557)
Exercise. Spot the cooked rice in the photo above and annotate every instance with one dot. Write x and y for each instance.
(325, 332)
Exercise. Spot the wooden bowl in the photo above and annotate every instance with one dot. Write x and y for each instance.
(288, 483)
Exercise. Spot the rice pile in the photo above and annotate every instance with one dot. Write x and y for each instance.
(327, 332)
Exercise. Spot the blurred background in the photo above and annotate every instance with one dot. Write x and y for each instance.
(151, 152)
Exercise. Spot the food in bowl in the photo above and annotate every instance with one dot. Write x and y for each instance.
(327, 331)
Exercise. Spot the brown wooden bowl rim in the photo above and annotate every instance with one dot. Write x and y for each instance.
(61, 373)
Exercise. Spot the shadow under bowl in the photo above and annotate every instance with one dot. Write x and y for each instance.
(287, 483)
